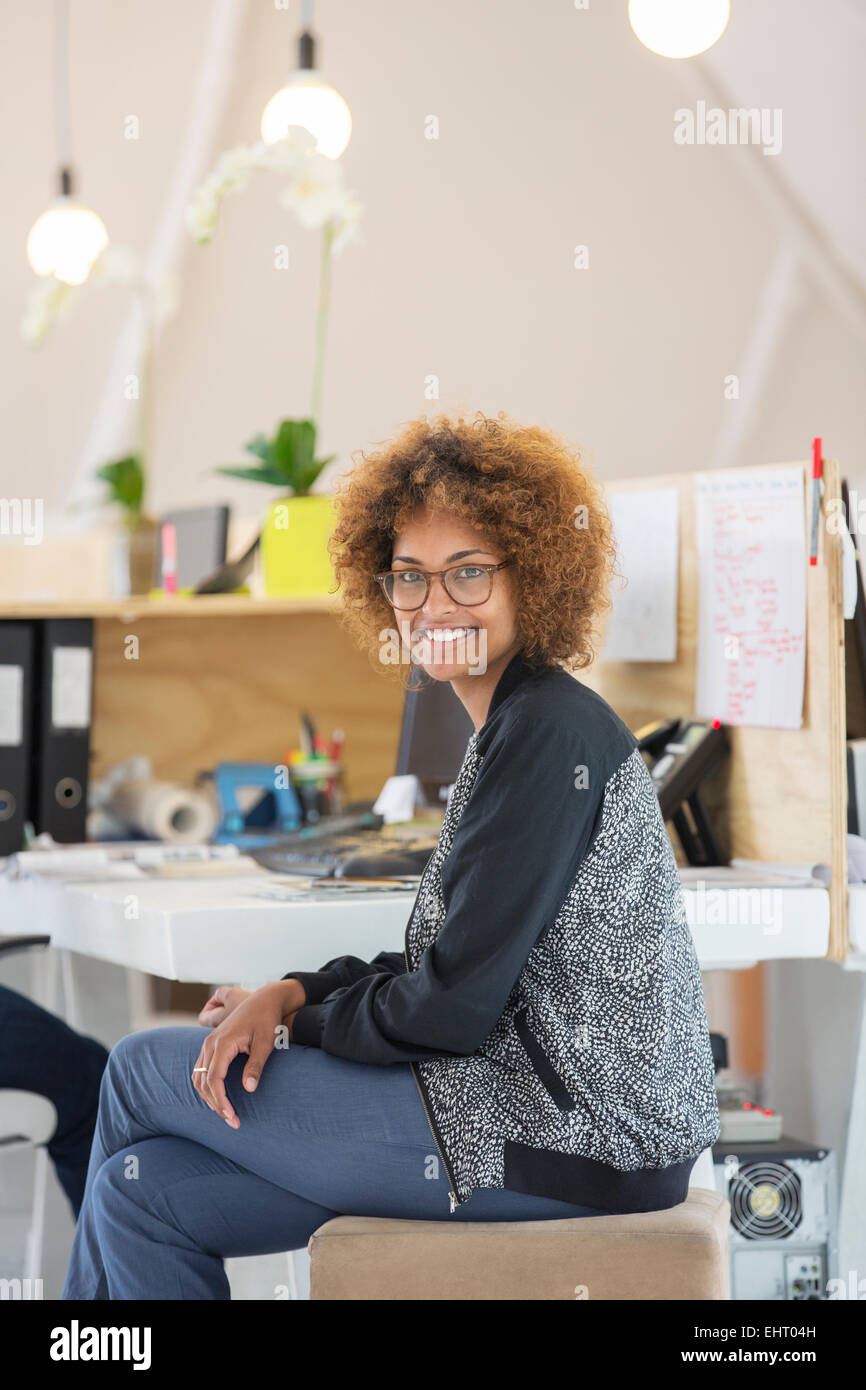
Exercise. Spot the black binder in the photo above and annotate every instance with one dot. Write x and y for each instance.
(16, 701)
(65, 680)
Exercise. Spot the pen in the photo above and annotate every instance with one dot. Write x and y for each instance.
(816, 500)
(335, 750)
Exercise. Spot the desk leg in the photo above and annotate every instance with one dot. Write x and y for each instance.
(44, 980)
(98, 998)
(139, 997)
(852, 1198)
(70, 1001)
(36, 1236)
(293, 1282)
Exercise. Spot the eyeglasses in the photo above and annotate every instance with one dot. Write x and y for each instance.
(468, 585)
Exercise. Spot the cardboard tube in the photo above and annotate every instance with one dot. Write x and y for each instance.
(164, 811)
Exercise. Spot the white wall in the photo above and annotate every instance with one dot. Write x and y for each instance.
(556, 129)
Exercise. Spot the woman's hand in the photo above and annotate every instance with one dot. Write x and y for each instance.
(251, 1027)
(222, 1002)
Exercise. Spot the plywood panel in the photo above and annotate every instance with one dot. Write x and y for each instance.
(206, 689)
(782, 796)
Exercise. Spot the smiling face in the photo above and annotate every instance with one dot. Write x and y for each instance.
(448, 638)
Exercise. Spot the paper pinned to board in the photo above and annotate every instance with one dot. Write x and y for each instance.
(643, 622)
(751, 539)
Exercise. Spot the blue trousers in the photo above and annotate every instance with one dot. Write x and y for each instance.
(172, 1190)
(42, 1054)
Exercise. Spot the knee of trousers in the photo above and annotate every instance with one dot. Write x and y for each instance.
(136, 1051)
(123, 1052)
(134, 1045)
(121, 1064)
(127, 1062)
(117, 1185)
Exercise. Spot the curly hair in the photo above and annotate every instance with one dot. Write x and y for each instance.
(521, 487)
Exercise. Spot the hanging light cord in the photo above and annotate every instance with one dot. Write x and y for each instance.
(306, 42)
(61, 92)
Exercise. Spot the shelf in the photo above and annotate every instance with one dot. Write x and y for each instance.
(204, 606)
(734, 928)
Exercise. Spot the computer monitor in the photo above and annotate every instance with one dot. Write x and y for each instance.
(200, 542)
(435, 731)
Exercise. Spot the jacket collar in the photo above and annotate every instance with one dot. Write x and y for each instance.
(516, 672)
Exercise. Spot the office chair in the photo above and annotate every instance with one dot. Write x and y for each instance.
(28, 1121)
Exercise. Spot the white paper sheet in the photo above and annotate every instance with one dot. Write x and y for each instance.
(643, 621)
(752, 597)
(398, 799)
(70, 687)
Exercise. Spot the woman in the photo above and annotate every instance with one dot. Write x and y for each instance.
(540, 1049)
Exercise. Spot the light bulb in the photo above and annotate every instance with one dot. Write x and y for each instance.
(65, 241)
(678, 28)
(308, 101)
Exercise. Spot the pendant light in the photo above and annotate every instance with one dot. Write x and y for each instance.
(679, 28)
(65, 240)
(308, 101)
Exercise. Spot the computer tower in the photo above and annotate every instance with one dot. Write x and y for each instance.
(784, 1218)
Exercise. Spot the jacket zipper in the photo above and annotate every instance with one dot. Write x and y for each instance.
(454, 1199)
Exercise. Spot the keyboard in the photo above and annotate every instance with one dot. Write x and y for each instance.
(320, 855)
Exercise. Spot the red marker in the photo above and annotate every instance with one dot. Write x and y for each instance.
(817, 464)
(334, 752)
(169, 558)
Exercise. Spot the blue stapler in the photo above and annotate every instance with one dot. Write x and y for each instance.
(275, 814)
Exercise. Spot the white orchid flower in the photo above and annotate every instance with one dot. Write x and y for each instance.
(347, 225)
(315, 193)
(48, 301)
(116, 265)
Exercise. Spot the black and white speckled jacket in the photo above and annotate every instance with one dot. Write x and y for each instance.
(549, 999)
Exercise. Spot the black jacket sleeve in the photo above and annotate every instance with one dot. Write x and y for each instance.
(343, 971)
(529, 820)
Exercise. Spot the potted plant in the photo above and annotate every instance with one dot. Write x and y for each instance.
(294, 539)
(295, 560)
(135, 547)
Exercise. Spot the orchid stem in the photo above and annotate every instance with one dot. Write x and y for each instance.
(322, 323)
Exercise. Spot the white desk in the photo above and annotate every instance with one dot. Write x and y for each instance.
(202, 929)
(218, 929)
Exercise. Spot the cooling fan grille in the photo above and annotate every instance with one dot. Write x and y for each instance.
(766, 1201)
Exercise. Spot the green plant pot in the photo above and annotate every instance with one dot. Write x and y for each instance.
(133, 557)
(295, 559)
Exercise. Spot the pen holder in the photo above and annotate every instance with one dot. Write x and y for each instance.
(319, 784)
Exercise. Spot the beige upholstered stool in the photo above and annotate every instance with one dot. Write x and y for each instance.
(681, 1253)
